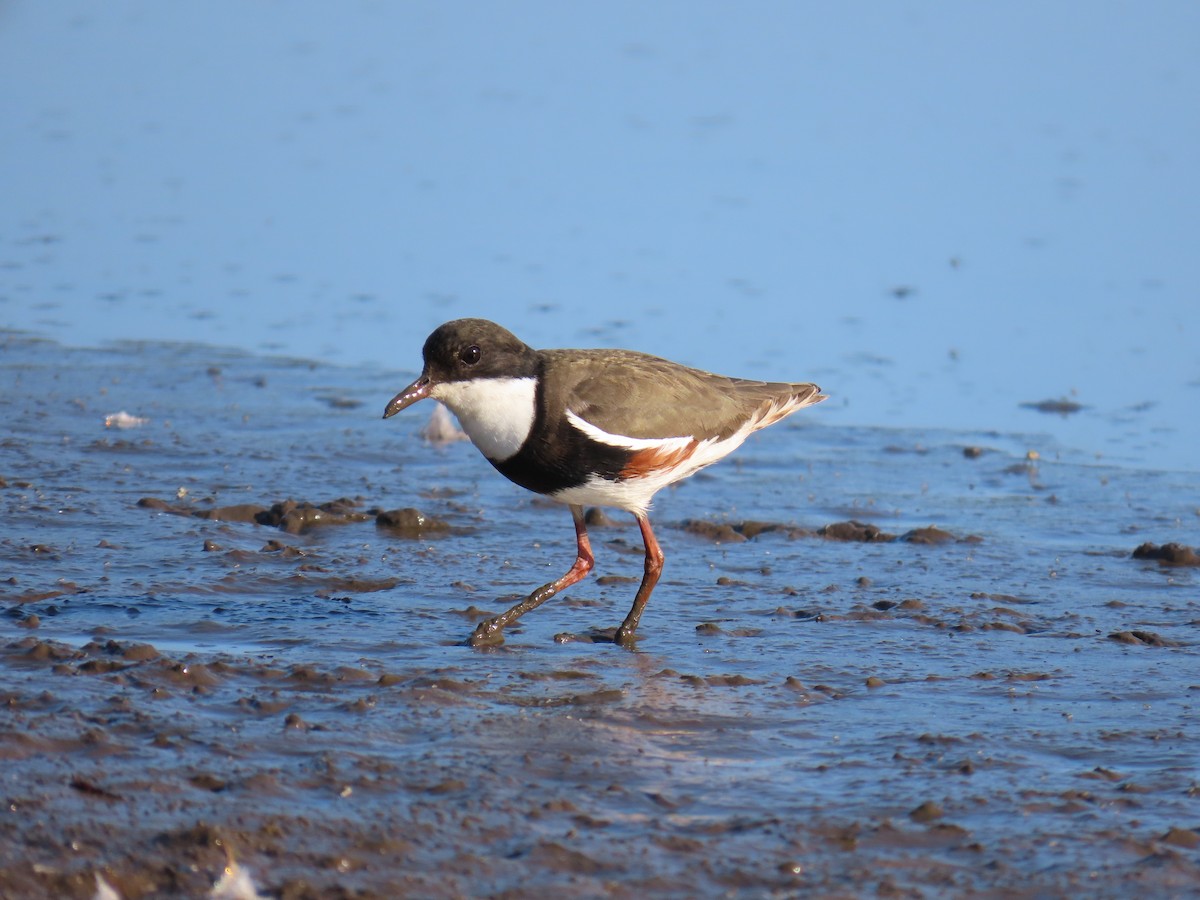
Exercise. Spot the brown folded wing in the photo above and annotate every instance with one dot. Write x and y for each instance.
(640, 396)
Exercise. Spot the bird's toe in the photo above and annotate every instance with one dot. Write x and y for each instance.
(486, 634)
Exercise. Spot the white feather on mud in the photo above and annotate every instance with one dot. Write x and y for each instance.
(123, 419)
(441, 427)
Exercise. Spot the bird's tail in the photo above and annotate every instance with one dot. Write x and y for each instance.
(794, 398)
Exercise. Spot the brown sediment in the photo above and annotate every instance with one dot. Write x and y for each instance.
(1168, 554)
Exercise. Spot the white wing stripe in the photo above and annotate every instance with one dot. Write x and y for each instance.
(625, 443)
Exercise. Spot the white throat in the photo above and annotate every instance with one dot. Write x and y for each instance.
(496, 413)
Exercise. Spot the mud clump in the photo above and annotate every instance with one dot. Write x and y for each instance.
(241, 512)
(737, 532)
(1188, 838)
(1168, 554)
(929, 811)
(865, 532)
(854, 530)
(409, 522)
(1060, 407)
(1142, 639)
(717, 532)
(596, 517)
(294, 517)
(931, 534)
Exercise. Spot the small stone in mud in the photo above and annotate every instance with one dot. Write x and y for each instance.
(293, 721)
(708, 629)
(927, 812)
(862, 581)
(874, 681)
(92, 789)
(208, 782)
(211, 547)
(1168, 554)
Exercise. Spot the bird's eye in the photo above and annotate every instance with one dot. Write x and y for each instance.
(470, 356)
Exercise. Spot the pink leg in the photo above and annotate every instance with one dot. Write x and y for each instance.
(654, 566)
(489, 632)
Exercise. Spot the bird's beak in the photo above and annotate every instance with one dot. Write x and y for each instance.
(418, 390)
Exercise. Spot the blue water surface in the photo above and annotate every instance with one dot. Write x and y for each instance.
(939, 211)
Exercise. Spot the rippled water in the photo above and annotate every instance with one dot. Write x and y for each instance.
(800, 713)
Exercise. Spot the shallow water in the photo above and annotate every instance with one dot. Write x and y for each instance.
(800, 714)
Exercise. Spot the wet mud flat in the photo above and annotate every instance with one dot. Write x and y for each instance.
(879, 662)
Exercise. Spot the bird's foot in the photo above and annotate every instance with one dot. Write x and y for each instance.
(625, 637)
(622, 637)
(488, 633)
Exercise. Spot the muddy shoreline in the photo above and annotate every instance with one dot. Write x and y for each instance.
(877, 664)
